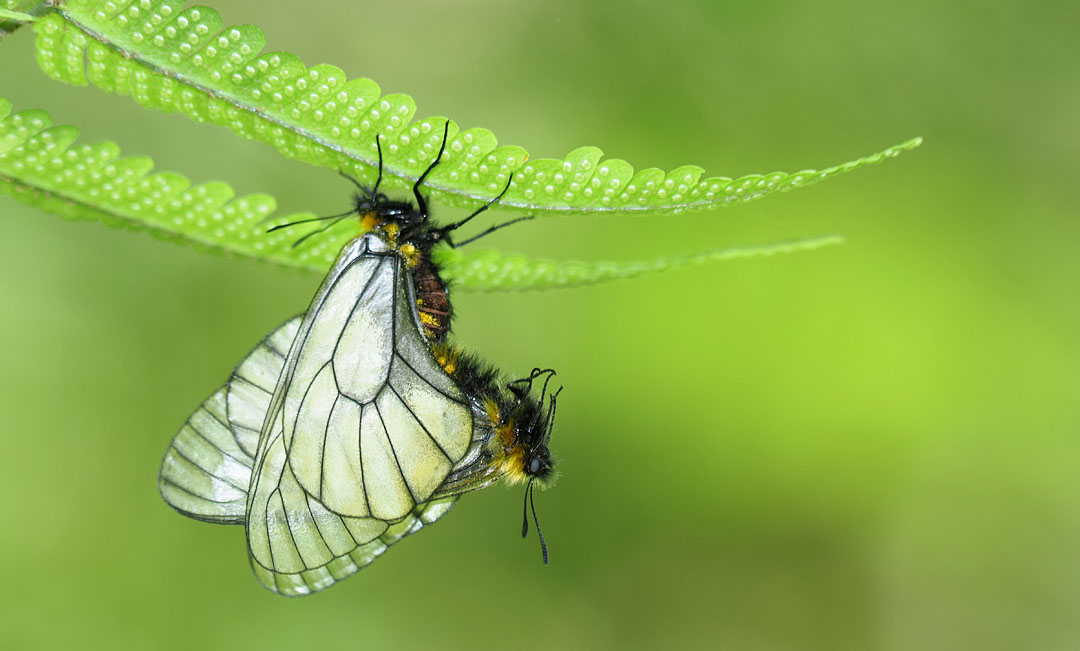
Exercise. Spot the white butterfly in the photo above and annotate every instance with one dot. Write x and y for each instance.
(332, 438)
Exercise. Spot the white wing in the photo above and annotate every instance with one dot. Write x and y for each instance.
(362, 428)
(205, 472)
(201, 479)
(307, 581)
(207, 468)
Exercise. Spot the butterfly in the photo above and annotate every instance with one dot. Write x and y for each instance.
(358, 423)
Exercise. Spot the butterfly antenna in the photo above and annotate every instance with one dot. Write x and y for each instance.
(457, 225)
(308, 221)
(421, 205)
(375, 188)
(525, 511)
(543, 394)
(532, 506)
(358, 185)
(551, 415)
(320, 230)
(493, 229)
(551, 374)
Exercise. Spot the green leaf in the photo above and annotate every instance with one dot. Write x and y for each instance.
(495, 270)
(41, 165)
(176, 59)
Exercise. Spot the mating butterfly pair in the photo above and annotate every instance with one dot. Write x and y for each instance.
(357, 423)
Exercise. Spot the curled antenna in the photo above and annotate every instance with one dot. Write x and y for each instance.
(543, 394)
(525, 520)
(520, 393)
(550, 425)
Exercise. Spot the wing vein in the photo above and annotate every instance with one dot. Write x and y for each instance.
(422, 426)
(266, 523)
(360, 455)
(208, 472)
(288, 525)
(299, 408)
(201, 497)
(426, 381)
(214, 445)
(397, 463)
(356, 303)
(322, 454)
(241, 378)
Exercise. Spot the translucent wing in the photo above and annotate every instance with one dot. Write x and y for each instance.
(207, 468)
(205, 472)
(200, 467)
(362, 428)
(252, 384)
(307, 581)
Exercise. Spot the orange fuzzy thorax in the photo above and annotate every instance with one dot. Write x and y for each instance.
(368, 222)
(388, 231)
(509, 456)
(411, 255)
(446, 356)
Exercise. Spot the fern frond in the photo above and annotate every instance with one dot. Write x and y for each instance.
(175, 59)
(41, 165)
(495, 270)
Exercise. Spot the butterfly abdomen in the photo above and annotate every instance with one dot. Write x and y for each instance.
(432, 299)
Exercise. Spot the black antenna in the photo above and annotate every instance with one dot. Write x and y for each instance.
(375, 189)
(525, 520)
(358, 185)
(378, 148)
(535, 373)
(336, 218)
(455, 226)
(550, 420)
(307, 221)
(543, 394)
(550, 425)
(491, 230)
(421, 205)
(525, 511)
(320, 230)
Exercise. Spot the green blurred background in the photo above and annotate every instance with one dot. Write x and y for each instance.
(868, 447)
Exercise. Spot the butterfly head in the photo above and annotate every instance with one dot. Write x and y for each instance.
(536, 419)
(396, 222)
(528, 430)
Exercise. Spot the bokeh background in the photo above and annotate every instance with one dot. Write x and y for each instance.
(872, 446)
